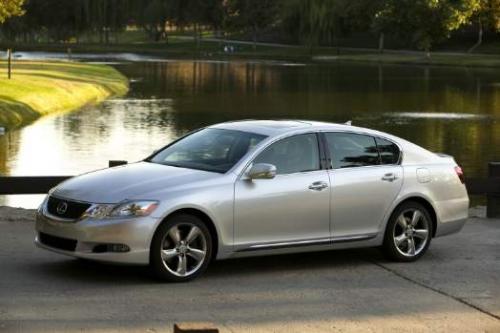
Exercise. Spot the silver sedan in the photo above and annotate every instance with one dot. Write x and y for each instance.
(250, 188)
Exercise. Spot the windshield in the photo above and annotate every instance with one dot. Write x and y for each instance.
(209, 149)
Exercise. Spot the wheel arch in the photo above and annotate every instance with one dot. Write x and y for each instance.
(202, 216)
(424, 202)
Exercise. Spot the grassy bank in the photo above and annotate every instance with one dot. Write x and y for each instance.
(39, 88)
(436, 59)
(185, 48)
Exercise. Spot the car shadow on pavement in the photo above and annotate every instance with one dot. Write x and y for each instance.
(293, 262)
(105, 273)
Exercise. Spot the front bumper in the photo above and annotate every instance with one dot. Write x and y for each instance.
(135, 233)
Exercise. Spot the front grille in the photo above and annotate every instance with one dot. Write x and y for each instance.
(66, 208)
(57, 242)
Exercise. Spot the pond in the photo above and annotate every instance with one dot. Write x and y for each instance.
(444, 109)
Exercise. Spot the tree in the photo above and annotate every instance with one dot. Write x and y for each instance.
(154, 19)
(358, 16)
(313, 21)
(487, 18)
(424, 22)
(253, 15)
(10, 8)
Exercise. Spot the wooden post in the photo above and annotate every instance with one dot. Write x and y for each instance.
(195, 328)
(9, 63)
(69, 53)
(113, 163)
(381, 43)
(493, 198)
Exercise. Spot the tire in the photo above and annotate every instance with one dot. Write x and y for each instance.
(404, 229)
(181, 249)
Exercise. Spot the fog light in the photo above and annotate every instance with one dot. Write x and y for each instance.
(118, 248)
(103, 248)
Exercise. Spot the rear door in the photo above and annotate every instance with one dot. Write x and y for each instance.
(365, 178)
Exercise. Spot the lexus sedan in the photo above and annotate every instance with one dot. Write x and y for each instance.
(249, 188)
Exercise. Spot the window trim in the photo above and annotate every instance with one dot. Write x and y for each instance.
(321, 154)
(380, 156)
(329, 160)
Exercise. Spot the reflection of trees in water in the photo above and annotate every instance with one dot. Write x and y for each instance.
(9, 146)
(205, 93)
(175, 97)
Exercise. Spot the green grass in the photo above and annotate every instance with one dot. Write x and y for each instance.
(39, 88)
(182, 48)
(436, 59)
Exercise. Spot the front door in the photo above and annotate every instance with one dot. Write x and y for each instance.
(291, 208)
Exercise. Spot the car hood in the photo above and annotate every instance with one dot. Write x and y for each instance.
(140, 180)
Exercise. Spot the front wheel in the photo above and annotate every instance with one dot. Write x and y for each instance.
(181, 248)
(408, 232)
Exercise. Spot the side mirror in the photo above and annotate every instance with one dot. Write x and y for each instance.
(262, 171)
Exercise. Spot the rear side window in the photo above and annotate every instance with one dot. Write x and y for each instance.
(349, 150)
(389, 151)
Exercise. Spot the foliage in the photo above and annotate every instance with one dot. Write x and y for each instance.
(10, 8)
(420, 23)
(424, 22)
(312, 20)
(489, 14)
(252, 15)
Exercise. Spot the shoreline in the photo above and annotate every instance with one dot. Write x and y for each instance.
(39, 88)
(212, 50)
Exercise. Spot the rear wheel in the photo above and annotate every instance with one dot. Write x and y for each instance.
(181, 248)
(408, 233)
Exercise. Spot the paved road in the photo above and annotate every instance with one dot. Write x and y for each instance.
(455, 287)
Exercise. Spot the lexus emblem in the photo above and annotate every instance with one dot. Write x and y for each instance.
(61, 208)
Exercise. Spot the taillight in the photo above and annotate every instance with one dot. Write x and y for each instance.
(460, 174)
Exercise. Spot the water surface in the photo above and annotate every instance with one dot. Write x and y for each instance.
(444, 109)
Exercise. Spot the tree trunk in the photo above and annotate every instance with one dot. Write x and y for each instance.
(254, 30)
(479, 36)
(219, 36)
(106, 35)
(381, 43)
(196, 39)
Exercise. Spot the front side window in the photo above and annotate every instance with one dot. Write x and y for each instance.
(298, 153)
(389, 151)
(349, 150)
(209, 149)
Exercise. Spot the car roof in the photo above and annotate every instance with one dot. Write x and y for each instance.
(277, 127)
(272, 128)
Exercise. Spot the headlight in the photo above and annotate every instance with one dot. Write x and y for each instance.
(134, 208)
(126, 209)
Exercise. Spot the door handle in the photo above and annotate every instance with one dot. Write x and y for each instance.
(318, 186)
(389, 177)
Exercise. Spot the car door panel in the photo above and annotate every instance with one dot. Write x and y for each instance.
(365, 179)
(360, 198)
(293, 206)
(282, 209)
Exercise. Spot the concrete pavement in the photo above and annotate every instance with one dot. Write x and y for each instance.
(454, 287)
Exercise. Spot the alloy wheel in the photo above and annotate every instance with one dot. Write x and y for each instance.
(411, 232)
(184, 249)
